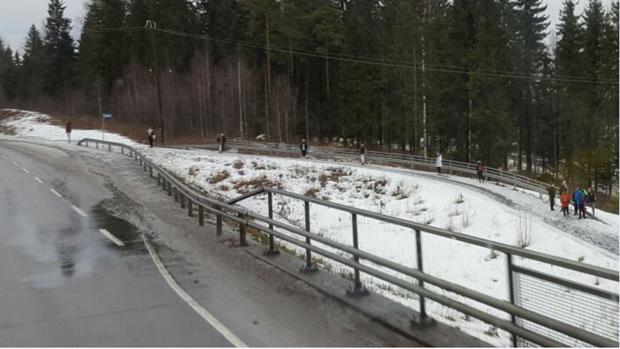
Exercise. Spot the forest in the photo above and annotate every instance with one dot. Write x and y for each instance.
(486, 80)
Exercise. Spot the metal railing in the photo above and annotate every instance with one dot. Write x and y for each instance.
(304, 238)
(402, 159)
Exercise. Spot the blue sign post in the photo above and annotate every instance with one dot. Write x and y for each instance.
(104, 116)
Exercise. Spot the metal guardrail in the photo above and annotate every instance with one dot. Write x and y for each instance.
(303, 238)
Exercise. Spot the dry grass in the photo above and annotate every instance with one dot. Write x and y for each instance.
(238, 165)
(244, 186)
(218, 177)
(312, 192)
(333, 175)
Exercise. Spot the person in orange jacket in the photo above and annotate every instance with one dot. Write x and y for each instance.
(565, 201)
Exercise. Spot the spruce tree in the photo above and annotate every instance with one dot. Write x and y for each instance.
(33, 66)
(60, 70)
(490, 119)
(531, 24)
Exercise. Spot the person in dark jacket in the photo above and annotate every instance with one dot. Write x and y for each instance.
(151, 135)
(221, 142)
(591, 200)
(362, 154)
(480, 171)
(551, 193)
(68, 129)
(303, 147)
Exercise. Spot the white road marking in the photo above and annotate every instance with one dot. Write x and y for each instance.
(111, 237)
(79, 211)
(234, 340)
(56, 193)
(38, 180)
(25, 170)
(14, 163)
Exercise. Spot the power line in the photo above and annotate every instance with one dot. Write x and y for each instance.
(365, 59)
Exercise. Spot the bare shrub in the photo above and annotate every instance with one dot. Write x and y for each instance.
(218, 177)
(312, 192)
(238, 165)
(243, 186)
(453, 210)
(467, 216)
(193, 171)
(224, 187)
(524, 230)
(459, 199)
(402, 191)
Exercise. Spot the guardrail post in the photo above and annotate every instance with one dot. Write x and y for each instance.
(87, 144)
(109, 147)
(418, 246)
(358, 289)
(309, 267)
(272, 251)
(169, 187)
(122, 150)
(151, 171)
(176, 194)
(190, 208)
(242, 234)
(218, 223)
(511, 294)
(201, 215)
(97, 144)
(182, 199)
(159, 179)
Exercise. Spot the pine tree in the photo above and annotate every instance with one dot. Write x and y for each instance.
(531, 25)
(60, 71)
(102, 52)
(489, 96)
(569, 62)
(33, 66)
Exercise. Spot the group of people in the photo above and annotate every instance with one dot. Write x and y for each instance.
(580, 198)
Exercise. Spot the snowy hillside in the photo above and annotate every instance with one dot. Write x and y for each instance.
(484, 210)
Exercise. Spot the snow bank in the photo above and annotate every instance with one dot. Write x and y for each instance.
(33, 124)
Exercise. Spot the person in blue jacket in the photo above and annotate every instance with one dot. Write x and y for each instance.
(579, 198)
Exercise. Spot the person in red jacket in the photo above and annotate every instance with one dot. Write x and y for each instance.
(565, 201)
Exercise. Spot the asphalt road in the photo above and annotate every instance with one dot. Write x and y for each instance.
(63, 282)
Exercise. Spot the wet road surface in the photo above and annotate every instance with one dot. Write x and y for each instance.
(63, 282)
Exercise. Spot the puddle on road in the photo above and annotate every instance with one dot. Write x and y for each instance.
(128, 233)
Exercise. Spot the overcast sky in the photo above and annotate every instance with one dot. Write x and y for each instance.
(16, 16)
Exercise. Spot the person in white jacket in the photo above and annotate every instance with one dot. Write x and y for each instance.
(438, 163)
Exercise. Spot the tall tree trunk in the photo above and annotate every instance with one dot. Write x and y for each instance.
(208, 78)
(306, 105)
(327, 87)
(200, 103)
(268, 82)
(278, 110)
(241, 133)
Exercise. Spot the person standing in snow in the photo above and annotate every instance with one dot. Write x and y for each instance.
(151, 135)
(221, 141)
(303, 147)
(578, 198)
(551, 193)
(438, 163)
(591, 200)
(480, 171)
(68, 130)
(565, 200)
(362, 154)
